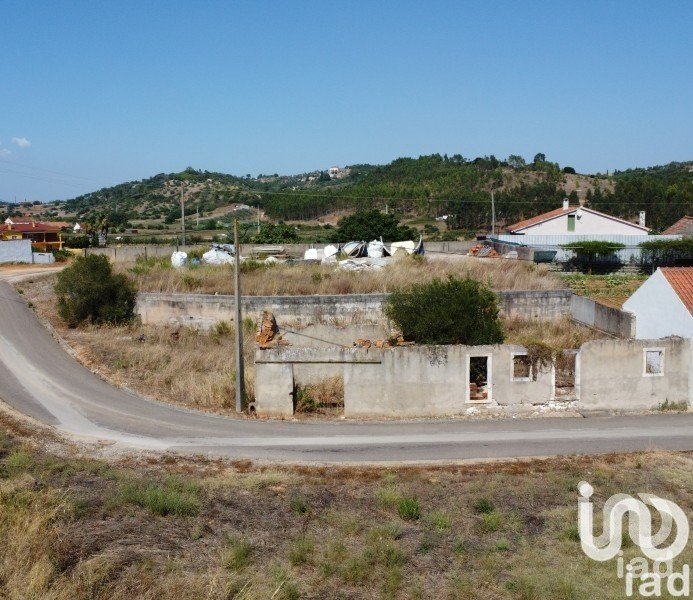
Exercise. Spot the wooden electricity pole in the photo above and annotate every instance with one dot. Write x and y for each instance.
(182, 218)
(240, 380)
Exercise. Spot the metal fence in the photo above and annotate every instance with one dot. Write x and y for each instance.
(632, 253)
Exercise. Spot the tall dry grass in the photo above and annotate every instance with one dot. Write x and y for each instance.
(561, 333)
(156, 275)
(175, 364)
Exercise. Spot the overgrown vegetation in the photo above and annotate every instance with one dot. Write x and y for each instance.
(661, 253)
(428, 185)
(613, 289)
(372, 225)
(473, 532)
(157, 275)
(89, 290)
(588, 251)
(452, 311)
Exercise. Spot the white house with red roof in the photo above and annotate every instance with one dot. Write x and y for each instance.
(577, 220)
(663, 305)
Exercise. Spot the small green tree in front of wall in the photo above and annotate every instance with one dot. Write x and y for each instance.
(451, 311)
(89, 290)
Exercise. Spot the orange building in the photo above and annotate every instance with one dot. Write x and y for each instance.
(44, 236)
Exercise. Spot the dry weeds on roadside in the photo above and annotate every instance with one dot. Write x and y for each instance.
(76, 529)
(170, 363)
(156, 275)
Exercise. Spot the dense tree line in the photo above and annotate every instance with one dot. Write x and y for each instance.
(429, 185)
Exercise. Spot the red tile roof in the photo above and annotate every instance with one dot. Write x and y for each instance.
(684, 226)
(541, 218)
(552, 214)
(681, 281)
(31, 227)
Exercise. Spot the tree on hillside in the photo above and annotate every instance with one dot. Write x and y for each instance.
(96, 227)
(276, 233)
(516, 161)
(452, 311)
(539, 157)
(88, 290)
(372, 225)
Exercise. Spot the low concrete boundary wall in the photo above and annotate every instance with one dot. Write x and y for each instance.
(129, 253)
(16, 251)
(340, 311)
(605, 318)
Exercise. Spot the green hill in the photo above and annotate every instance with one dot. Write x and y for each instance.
(418, 188)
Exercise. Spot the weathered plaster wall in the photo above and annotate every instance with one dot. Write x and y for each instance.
(605, 318)
(612, 374)
(399, 382)
(15, 251)
(361, 312)
(434, 381)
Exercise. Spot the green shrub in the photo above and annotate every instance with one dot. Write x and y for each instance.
(237, 553)
(668, 252)
(89, 290)
(491, 521)
(298, 504)
(409, 509)
(174, 497)
(483, 506)
(454, 311)
(589, 250)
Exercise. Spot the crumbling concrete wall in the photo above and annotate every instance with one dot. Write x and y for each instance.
(613, 375)
(535, 304)
(363, 313)
(434, 381)
(414, 381)
(16, 251)
(605, 318)
(281, 369)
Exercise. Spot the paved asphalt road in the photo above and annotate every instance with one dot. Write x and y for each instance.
(39, 379)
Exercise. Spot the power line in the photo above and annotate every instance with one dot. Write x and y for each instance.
(44, 179)
(408, 199)
(12, 162)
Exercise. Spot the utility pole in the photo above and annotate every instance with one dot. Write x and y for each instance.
(182, 218)
(493, 216)
(240, 380)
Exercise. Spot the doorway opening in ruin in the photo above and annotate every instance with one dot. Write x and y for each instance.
(566, 367)
(479, 375)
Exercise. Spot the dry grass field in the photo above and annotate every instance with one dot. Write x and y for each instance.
(156, 275)
(76, 528)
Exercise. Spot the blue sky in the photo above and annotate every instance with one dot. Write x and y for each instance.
(96, 93)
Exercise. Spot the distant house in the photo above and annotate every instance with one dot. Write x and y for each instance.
(44, 236)
(684, 227)
(577, 220)
(663, 305)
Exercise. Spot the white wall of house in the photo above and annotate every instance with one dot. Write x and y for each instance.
(659, 312)
(588, 223)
